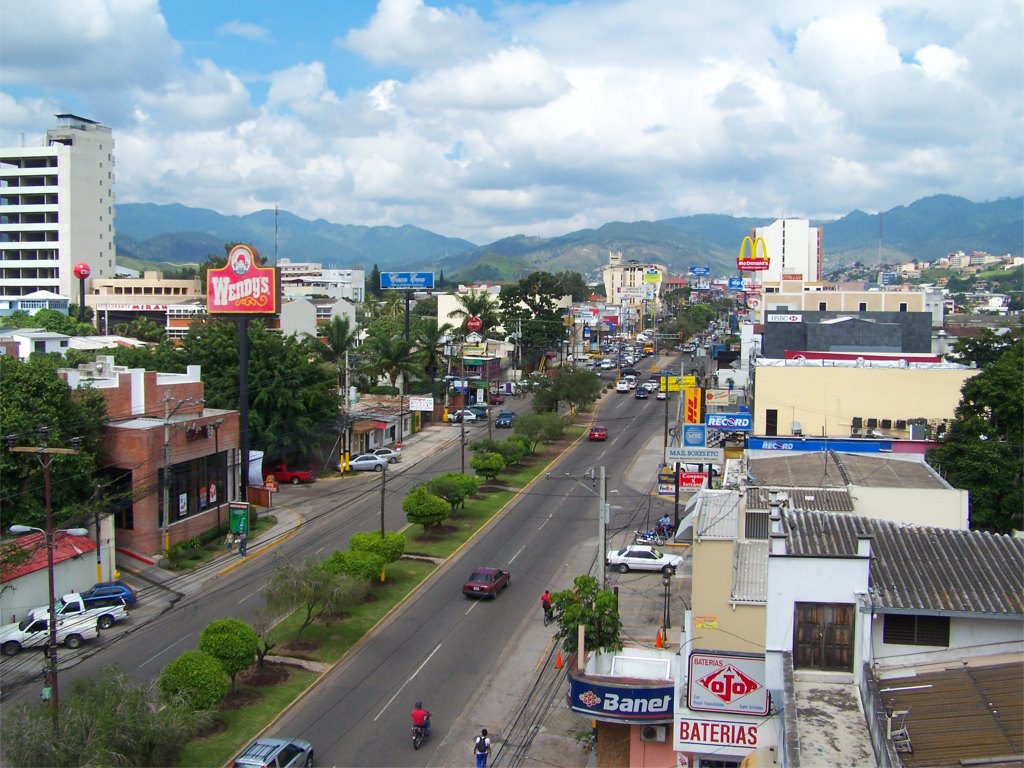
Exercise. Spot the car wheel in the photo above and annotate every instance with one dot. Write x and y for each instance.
(73, 641)
(379, 468)
(309, 759)
(11, 648)
(295, 481)
(392, 460)
(623, 568)
(106, 621)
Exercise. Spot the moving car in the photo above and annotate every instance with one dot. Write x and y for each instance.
(639, 557)
(641, 393)
(486, 582)
(597, 432)
(276, 753)
(504, 419)
(106, 589)
(392, 455)
(457, 416)
(622, 386)
(661, 395)
(368, 462)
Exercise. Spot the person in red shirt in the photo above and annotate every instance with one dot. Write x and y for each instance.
(545, 603)
(421, 717)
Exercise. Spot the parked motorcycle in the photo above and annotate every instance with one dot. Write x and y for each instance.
(648, 537)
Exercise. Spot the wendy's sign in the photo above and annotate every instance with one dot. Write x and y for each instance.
(243, 287)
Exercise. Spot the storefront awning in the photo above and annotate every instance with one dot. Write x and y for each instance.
(362, 427)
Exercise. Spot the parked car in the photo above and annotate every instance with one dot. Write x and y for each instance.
(33, 632)
(504, 419)
(457, 416)
(276, 753)
(107, 589)
(495, 398)
(282, 474)
(480, 409)
(391, 454)
(368, 462)
(643, 558)
(103, 610)
(597, 432)
(486, 582)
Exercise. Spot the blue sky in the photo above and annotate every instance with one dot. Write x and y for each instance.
(488, 119)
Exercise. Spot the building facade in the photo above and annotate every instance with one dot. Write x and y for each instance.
(57, 209)
(794, 252)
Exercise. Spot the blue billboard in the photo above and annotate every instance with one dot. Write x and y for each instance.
(700, 271)
(730, 422)
(622, 703)
(735, 283)
(423, 281)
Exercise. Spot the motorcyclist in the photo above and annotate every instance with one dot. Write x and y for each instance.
(665, 526)
(421, 717)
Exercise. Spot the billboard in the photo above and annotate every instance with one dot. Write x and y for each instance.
(730, 422)
(727, 683)
(621, 703)
(422, 281)
(242, 287)
(692, 409)
(750, 262)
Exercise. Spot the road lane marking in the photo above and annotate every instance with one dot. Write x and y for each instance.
(517, 554)
(546, 520)
(411, 677)
(180, 640)
(250, 595)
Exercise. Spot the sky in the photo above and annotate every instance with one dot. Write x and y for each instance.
(486, 119)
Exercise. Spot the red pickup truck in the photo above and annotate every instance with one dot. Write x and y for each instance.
(282, 474)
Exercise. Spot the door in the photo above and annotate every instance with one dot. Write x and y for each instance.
(771, 423)
(823, 637)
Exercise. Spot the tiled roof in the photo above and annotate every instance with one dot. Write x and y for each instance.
(65, 547)
(750, 572)
(718, 514)
(920, 568)
(837, 470)
(822, 499)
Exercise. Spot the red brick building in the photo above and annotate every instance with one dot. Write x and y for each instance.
(150, 413)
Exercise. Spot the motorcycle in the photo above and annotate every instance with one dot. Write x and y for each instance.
(648, 537)
(549, 615)
(419, 733)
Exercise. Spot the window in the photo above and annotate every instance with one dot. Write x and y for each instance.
(903, 306)
(903, 629)
(821, 306)
(862, 307)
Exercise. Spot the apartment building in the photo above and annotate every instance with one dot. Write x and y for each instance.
(57, 209)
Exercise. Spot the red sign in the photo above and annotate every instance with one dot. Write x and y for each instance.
(474, 323)
(242, 287)
(82, 270)
(690, 480)
(729, 683)
(750, 263)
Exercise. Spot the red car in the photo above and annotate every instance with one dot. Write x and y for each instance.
(598, 432)
(283, 475)
(496, 398)
(486, 582)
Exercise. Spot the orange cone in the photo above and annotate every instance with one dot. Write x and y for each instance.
(659, 642)
(558, 660)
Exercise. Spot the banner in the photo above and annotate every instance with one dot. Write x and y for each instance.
(694, 399)
(751, 263)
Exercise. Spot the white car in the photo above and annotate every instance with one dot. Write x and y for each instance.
(368, 462)
(393, 456)
(650, 386)
(606, 364)
(457, 416)
(622, 386)
(639, 557)
(661, 395)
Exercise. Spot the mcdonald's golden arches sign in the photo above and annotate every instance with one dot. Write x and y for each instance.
(749, 262)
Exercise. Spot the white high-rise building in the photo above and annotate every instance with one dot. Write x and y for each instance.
(794, 252)
(57, 210)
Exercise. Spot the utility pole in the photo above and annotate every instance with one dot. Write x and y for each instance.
(383, 483)
(462, 413)
(602, 514)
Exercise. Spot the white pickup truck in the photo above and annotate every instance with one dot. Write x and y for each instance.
(106, 610)
(32, 632)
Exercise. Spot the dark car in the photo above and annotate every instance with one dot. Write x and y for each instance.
(629, 372)
(276, 753)
(597, 432)
(110, 589)
(640, 393)
(504, 419)
(486, 582)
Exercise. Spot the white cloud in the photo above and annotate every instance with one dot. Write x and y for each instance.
(245, 30)
(940, 63)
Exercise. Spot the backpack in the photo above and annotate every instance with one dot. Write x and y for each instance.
(481, 744)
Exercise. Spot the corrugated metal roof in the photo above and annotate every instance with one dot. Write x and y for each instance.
(920, 568)
(837, 470)
(823, 499)
(718, 514)
(750, 571)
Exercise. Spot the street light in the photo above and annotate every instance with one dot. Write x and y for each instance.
(51, 645)
(666, 580)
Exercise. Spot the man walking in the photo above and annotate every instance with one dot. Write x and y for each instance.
(482, 748)
(243, 541)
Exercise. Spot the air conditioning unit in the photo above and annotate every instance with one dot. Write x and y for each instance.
(654, 733)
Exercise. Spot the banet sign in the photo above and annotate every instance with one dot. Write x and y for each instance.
(619, 703)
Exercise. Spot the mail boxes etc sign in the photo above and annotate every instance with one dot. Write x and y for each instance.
(621, 704)
(242, 286)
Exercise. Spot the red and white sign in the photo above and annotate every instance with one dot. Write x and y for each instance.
(242, 287)
(474, 323)
(773, 317)
(692, 480)
(727, 683)
(696, 735)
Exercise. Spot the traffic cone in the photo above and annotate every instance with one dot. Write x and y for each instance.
(659, 642)
(558, 660)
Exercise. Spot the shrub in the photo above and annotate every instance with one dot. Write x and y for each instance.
(313, 589)
(454, 488)
(390, 548)
(488, 465)
(233, 643)
(511, 451)
(421, 507)
(196, 678)
(359, 564)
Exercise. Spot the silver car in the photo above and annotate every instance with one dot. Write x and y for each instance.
(390, 454)
(368, 462)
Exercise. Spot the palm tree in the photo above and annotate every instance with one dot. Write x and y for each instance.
(396, 358)
(340, 338)
(430, 341)
(477, 304)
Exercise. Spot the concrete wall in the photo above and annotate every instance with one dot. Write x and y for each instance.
(828, 397)
(968, 638)
(739, 627)
(940, 507)
(908, 332)
(21, 595)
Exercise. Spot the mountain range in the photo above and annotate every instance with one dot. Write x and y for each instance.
(167, 237)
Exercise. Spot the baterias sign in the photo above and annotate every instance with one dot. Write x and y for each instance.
(242, 286)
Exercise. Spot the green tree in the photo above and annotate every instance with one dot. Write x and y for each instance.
(390, 546)
(430, 341)
(233, 643)
(373, 284)
(195, 678)
(477, 304)
(569, 384)
(55, 321)
(362, 565)
(983, 450)
(573, 284)
(262, 620)
(597, 610)
(392, 357)
(539, 427)
(455, 488)
(106, 719)
(530, 309)
(37, 406)
(983, 349)
(142, 328)
(512, 451)
(339, 338)
(487, 465)
(312, 590)
(421, 507)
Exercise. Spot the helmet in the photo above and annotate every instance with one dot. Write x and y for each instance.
(419, 705)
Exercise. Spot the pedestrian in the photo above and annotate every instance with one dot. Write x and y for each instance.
(243, 540)
(482, 748)
(229, 541)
